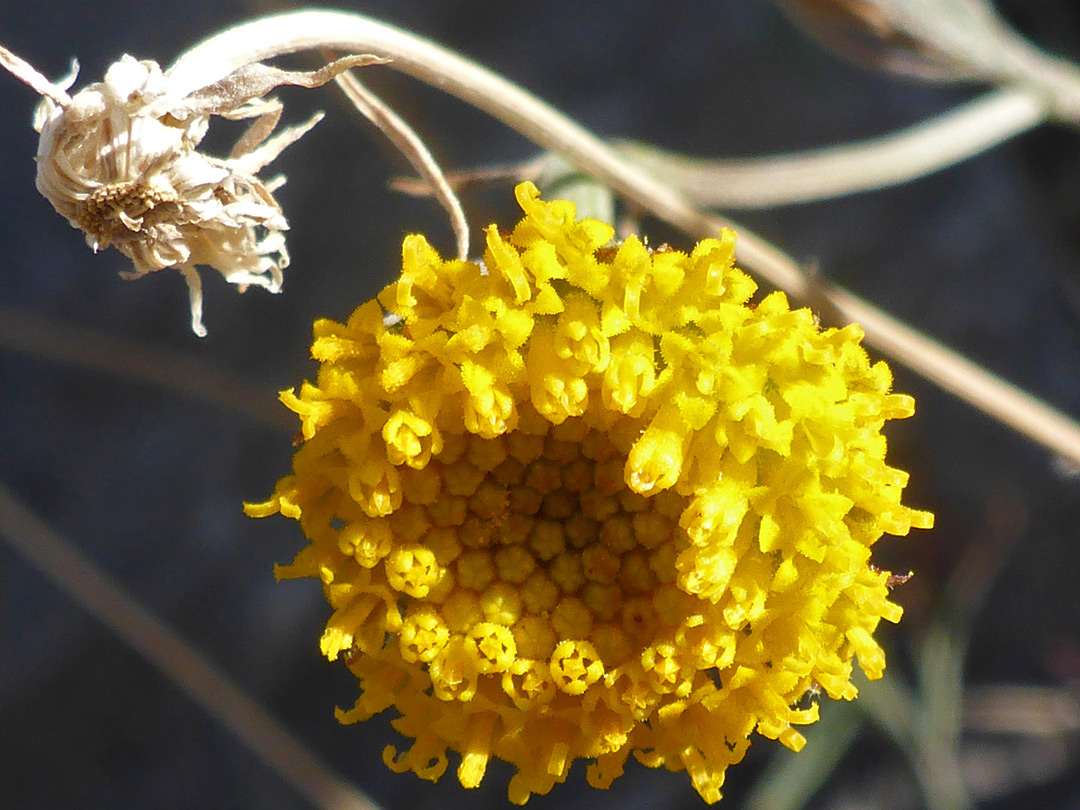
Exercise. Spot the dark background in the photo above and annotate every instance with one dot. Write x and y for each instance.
(148, 480)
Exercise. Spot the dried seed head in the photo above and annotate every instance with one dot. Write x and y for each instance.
(866, 32)
(120, 161)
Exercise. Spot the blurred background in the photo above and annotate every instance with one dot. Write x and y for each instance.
(146, 476)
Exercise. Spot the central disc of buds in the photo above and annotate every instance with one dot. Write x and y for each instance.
(536, 548)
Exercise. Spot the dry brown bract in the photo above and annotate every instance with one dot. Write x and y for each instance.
(119, 160)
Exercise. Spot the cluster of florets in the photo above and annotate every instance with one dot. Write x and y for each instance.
(584, 500)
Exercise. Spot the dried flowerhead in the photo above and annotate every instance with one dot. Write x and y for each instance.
(120, 161)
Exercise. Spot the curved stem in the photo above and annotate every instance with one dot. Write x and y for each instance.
(280, 34)
(975, 36)
(25, 72)
(961, 377)
(42, 338)
(409, 144)
(77, 575)
(836, 171)
(290, 32)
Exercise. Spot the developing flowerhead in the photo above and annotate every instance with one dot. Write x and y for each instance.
(120, 161)
(585, 501)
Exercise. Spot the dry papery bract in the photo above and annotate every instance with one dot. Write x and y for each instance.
(120, 161)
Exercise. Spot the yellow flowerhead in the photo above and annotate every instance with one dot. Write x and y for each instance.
(583, 501)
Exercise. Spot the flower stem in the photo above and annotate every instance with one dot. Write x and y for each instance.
(276, 35)
(406, 141)
(837, 171)
(73, 572)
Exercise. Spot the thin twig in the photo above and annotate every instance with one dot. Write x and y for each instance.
(819, 174)
(24, 71)
(412, 147)
(1034, 711)
(272, 36)
(861, 32)
(837, 171)
(975, 36)
(36, 336)
(480, 176)
(277, 35)
(959, 376)
(100, 595)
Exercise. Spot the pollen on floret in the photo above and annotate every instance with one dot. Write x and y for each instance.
(588, 502)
